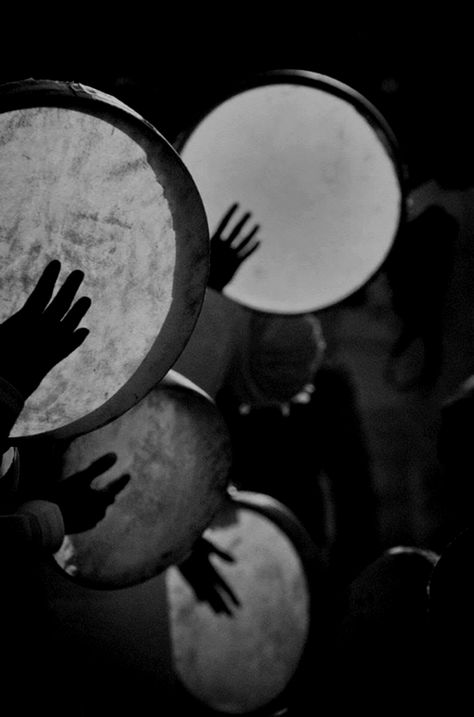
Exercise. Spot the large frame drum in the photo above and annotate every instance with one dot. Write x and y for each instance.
(317, 166)
(175, 446)
(88, 181)
(247, 663)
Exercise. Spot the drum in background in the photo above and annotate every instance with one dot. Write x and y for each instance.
(246, 662)
(316, 165)
(88, 181)
(175, 446)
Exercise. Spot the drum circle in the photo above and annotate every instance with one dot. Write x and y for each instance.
(88, 181)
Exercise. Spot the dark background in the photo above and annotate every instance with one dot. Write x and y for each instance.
(172, 64)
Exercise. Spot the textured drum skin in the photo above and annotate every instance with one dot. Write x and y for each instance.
(88, 181)
(175, 446)
(240, 664)
(316, 165)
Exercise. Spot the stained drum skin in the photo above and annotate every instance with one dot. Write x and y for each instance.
(176, 448)
(92, 184)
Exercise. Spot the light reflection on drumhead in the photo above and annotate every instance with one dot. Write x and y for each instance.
(241, 663)
(92, 189)
(318, 177)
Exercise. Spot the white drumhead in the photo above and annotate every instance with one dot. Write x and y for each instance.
(89, 182)
(175, 446)
(313, 162)
(241, 663)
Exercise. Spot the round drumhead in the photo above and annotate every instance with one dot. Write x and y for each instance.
(315, 163)
(241, 663)
(88, 181)
(175, 446)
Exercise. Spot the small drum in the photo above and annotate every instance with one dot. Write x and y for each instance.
(176, 449)
(246, 662)
(88, 181)
(317, 166)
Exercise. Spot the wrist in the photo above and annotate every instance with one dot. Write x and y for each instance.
(12, 394)
(12, 401)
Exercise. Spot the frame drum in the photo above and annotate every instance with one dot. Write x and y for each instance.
(88, 181)
(316, 165)
(244, 664)
(176, 449)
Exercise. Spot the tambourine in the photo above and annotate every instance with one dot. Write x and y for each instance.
(175, 446)
(318, 167)
(88, 181)
(246, 663)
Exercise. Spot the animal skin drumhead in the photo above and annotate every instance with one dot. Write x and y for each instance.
(238, 664)
(315, 164)
(175, 446)
(88, 181)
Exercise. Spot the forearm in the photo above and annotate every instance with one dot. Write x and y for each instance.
(11, 405)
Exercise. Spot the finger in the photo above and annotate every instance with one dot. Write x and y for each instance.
(225, 219)
(238, 227)
(203, 545)
(246, 240)
(230, 593)
(65, 296)
(222, 554)
(74, 317)
(218, 604)
(112, 489)
(221, 583)
(99, 466)
(72, 343)
(41, 294)
(245, 254)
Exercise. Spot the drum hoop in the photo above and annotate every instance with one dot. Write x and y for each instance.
(176, 330)
(314, 80)
(272, 509)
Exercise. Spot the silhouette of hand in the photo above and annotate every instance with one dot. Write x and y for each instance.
(82, 506)
(207, 584)
(228, 253)
(44, 331)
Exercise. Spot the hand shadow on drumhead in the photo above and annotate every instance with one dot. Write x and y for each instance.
(228, 253)
(81, 505)
(44, 331)
(205, 581)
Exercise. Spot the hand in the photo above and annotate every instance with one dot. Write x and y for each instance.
(82, 507)
(227, 254)
(43, 332)
(207, 584)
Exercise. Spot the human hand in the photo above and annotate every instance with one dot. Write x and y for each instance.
(228, 253)
(44, 331)
(82, 506)
(208, 586)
